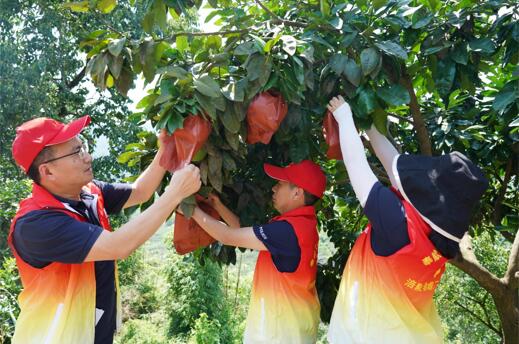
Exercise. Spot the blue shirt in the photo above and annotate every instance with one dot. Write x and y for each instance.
(386, 214)
(280, 240)
(45, 236)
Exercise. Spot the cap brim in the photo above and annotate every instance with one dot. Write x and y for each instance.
(70, 130)
(275, 172)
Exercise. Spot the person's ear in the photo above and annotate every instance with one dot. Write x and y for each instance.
(45, 172)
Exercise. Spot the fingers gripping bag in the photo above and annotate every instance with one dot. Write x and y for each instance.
(184, 143)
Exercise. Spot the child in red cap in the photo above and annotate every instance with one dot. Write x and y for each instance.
(386, 292)
(284, 307)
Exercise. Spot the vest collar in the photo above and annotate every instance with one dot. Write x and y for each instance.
(301, 211)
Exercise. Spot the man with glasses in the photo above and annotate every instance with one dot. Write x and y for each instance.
(61, 238)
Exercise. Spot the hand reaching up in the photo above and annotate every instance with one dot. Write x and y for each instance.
(334, 105)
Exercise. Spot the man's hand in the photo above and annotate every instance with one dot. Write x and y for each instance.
(336, 103)
(185, 181)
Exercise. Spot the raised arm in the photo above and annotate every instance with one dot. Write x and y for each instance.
(149, 180)
(384, 150)
(361, 176)
(121, 243)
(227, 215)
(240, 237)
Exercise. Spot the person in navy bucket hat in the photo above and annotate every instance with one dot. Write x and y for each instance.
(415, 226)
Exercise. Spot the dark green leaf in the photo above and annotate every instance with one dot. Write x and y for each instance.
(173, 71)
(207, 104)
(175, 121)
(380, 120)
(233, 92)
(207, 86)
(394, 95)
(482, 45)
(230, 121)
(352, 72)
(369, 59)
(255, 66)
(504, 99)
(338, 63)
(367, 101)
(349, 38)
(393, 49)
(247, 48)
(460, 53)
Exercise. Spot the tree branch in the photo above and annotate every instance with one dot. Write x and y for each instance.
(278, 20)
(466, 309)
(210, 33)
(467, 262)
(77, 79)
(511, 278)
(418, 122)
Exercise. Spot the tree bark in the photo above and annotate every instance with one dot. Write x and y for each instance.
(504, 290)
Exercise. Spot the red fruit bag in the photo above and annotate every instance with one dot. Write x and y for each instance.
(331, 136)
(188, 235)
(264, 115)
(184, 143)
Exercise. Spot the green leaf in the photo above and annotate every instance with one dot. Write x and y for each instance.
(460, 54)
(394, 95)
(188, 206)
(367, 101)
(271, 43)
(380, 120)
(173, 71)
(393, 49)
(116, 46)
(77, 6)
(349, 38)
(289, 44)
(260, 43)
(515, 123)
(255, 66)
(369, 59)
(228, 162)
(247, 48)
(215, 171)
(175, 122)
(106, 6)
(207, 86)
(482, 45)
(115, 64)
(232, 139)
(230, 121)
(234, 92)
(338, 63)
(504, 99)
(181, 43)
(125, 81)
(352, 72)
(213, 42)
(207, 104)
(336, 22)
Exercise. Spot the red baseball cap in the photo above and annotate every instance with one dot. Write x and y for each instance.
(305, 174)
(36, 134)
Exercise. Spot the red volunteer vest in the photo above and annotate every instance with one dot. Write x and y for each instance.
(284, 307)
(57, 303)
(390, 299)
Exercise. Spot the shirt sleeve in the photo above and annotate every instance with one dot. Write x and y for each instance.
(115, 195)
(42, 237)
(281, 241)
(386, 214)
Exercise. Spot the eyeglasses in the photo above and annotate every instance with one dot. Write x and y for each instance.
(81, 152)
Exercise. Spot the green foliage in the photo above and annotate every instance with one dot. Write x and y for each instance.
(206, 331)
(466, 309)
(197, 289)
(10, 287)
(11, 192)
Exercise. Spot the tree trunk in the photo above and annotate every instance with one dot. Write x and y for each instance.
(504, 291)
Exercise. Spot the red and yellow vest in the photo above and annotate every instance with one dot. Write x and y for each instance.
(284, 307)
(57, 303)
(390, 299)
